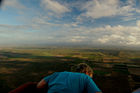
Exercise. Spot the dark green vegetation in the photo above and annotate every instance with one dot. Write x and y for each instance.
(115, 71)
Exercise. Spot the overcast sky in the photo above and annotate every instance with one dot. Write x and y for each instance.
(105, 22)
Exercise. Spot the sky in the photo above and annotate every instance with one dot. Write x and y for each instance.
(77, 22)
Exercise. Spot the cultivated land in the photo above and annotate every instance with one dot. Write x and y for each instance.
(115, 71)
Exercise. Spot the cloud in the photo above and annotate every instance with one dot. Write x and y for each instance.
(12, 4)
(107, 8)
(119, 40)
(8, 29)
(138, 10)
(128, 18)
(44, 28)
(22, 34)
(106, 35)
(55, 6)
(138, 23)
(111, 39)
(77, 39)
(120, 35)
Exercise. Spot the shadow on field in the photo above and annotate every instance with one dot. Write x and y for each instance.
(15, 55)
(16, 72)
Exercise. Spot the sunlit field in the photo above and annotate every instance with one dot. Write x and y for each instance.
(115, 71)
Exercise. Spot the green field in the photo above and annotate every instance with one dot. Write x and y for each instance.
(115, 71)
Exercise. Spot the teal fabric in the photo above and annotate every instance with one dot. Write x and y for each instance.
(137, 91)
(70, 82)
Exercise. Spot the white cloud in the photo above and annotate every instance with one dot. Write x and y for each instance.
(107, 35)
(119, 40)
(129, 18)
(103, 39)
(111, 39)
(138, 23)
(132, 40)
(120, 35)
(54, 6)
(107, 8)
(77, 38)
(138, 10)
(12, 4)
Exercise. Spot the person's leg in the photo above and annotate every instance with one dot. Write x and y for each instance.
(29, 87)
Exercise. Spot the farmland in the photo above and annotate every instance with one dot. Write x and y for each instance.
(115, 71)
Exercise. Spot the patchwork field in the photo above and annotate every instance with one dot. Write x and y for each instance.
(115, 71)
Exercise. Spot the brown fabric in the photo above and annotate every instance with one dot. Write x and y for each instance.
(29, 87)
